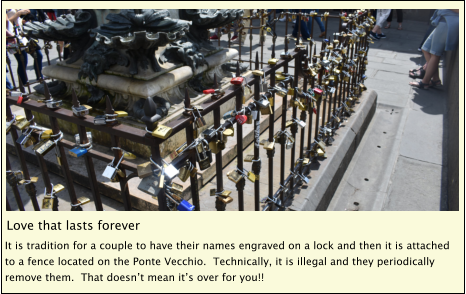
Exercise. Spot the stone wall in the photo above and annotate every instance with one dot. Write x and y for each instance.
(451, 85)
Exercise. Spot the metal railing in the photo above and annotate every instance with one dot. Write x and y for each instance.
(331, 83)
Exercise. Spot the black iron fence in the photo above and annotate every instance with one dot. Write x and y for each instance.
(331, 83)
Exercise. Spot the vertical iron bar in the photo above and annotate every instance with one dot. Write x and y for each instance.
(193, 178)
(15, 187)
(239, 145)
(257, 126)
(219, 204)
(271, 153)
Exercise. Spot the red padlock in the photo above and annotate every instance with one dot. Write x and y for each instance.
(20, 100)
(314, 110)
(241, 118)
(318, 91)
(237, 81)
(209, 91)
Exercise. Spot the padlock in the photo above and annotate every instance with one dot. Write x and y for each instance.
(77, 152)
(24, 137)
(229, 132)
(273, 61)
(249, 158)
(279, 77)
(184, 173)
(80, 111)
(290, 91)
(266, 110)
(237, 81)
(318, 92)
(100, 120)
(229, 114)
(21, 124)
(282, 92)
(199, 120)
(46, 135)
(185, 206)
(300, 123)
(29, 142)
(213, 145)
(52, 104)
(47, 202)
(251, 176)
(249, 119)
(58, 188)
(258, 73)
(225, 199)
(234, 176)
(263, 87)
(176, 189)
(83, 200)
(162, 132)
(121, 113)
(110, 171)
(202, 157)
(241, 119)
(285, 55)
(247, 92)
(269, 145)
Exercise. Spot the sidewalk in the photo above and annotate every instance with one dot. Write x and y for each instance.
(401, 153)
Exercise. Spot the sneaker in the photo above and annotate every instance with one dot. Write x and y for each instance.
(374, 36)
(419, 49)
(381, 36)
(282, 19)
(214, 37)
(234, 39)
(294, 20)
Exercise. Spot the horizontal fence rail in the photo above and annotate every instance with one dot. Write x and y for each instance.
(324, 86)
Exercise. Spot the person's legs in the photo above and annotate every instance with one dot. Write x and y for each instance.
(304, 31)
(20, 71)
(9, 86)
(427, 34)
(38, 64)
(389, 19)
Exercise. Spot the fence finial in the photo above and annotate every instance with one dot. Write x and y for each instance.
(74, 98)
(238, 73)
(46, 92)
(257, 60)
(109, 108)
(216, 86)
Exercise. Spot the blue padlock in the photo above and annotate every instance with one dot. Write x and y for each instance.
(364, 77)
(185, 206)
(77, 152)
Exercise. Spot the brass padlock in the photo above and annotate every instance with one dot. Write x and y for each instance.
(249, 120)
(251, 176)
(269, 145)
(121, 113)
(290, 91)
(258, 73)
(271, 101)
(230, 132)
(46, 135)
(58, 188)
(213, 145)
(234, 176)
(177, 189)
(162, 132)
(273, 61)
(184, 173)
(22, 124)
(249, 158)
(266, 110)
(45, 148)
(47, 202)
(30, 141)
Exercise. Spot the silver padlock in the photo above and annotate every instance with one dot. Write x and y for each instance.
(110, 171)
(80, 111)
(53, 103)
(300, 122)
(78, 139)
(263, 102)
(16, 94)
(200, 121)
(24, 137)
(100, 120)
(203, 159)
(170, 171)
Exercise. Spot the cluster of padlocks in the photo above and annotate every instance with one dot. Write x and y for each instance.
(335, 78)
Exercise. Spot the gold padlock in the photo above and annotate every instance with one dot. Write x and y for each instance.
(193, 172)
(271, 101)
(121, 113)
(58, 188)
(47, 202)
(249, 158)
(121, 173)
(213, 145)
(251, 177)
(258, 73)
(46, 135)
(266, 110)
(144, 170)
(183, 174)
(330, 47)
(230, 132)
(279, 77)
(225, 199)
(83, 200)
(234, 176)
(290, 91)
(21, 125)
(45, 148)
(30, 141)
(269, 146)
(249, 120)
(273, 61)
(162, 132)
(177, 189)
(305, 161)
(303, 107)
